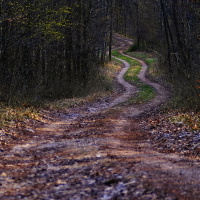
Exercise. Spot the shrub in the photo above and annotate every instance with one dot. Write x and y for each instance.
(133, 47)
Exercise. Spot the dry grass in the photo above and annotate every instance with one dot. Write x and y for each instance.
(65, 104)
(189, 119)
(109, 72)
(9, 115)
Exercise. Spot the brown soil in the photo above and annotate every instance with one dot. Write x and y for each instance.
(100, 152)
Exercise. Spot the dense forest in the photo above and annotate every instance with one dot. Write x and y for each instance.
(55, 48)
(170, 29)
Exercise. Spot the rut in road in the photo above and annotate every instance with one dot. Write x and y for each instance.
(100, 153)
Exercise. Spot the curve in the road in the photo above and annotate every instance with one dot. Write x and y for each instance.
(162, 93)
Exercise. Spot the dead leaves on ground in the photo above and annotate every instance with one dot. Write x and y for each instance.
(15, 122)
(175, 132)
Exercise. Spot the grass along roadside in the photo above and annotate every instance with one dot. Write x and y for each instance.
(151, 60)
(12, 116)
(146, 92)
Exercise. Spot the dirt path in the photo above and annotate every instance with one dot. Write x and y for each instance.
(161, 93)
(100, 153)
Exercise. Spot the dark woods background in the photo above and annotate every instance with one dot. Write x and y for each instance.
(55, 48)
(171, 30)
(50, 48)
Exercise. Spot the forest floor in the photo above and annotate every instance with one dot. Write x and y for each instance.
(104, 150)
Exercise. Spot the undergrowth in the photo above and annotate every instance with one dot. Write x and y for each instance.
(25, 110)
(185, 94)
(188, 119)
(100, 89)
(9, 115)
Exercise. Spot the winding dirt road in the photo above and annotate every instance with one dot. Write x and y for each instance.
(100, 153)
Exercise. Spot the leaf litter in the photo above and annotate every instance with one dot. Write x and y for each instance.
(175, 132)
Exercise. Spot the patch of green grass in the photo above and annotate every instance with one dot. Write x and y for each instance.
(146, 92)
(115, 53)
(116, 61)
(132, 74)
(140, 55)
(151, 60)
(129, 60)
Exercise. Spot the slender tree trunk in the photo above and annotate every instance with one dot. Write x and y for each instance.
(111, 30)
